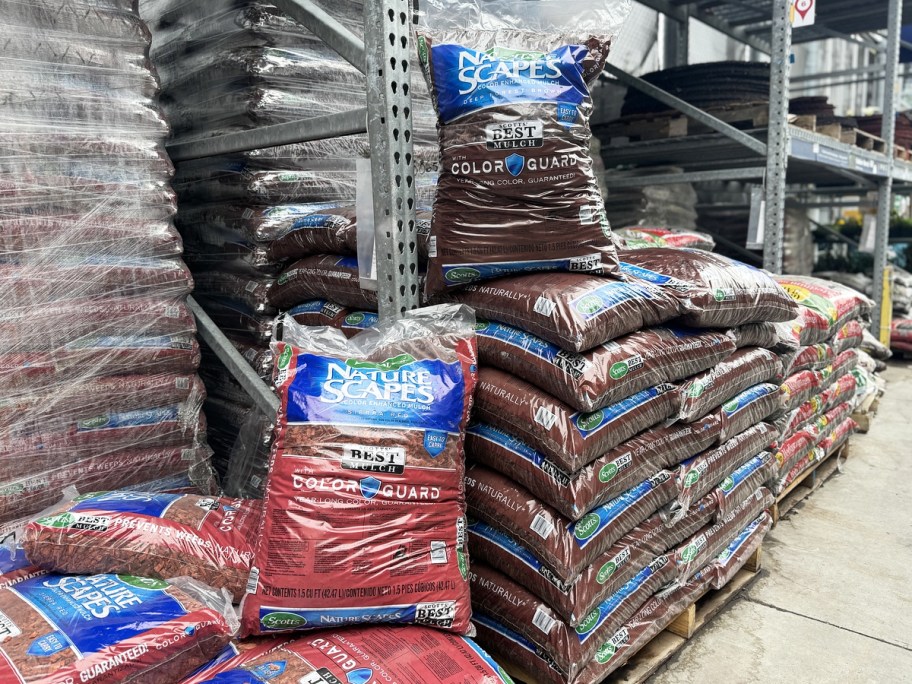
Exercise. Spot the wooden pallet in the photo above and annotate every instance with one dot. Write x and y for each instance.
(900, 152)
(806, 121)
(668, 643)
(865, 412)
(808, 482)
(639, 127)
(866, 141)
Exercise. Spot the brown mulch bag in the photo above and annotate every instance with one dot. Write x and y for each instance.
(726, 565)
(742, 482)
(319, 312)
(565, 547)
(576, 312)
(718, 291)
(607, 373)
(573, 494)
(149, 535)
(328, 231)
(751, 406)
(570, 438)
(745, 368)
(325, 276)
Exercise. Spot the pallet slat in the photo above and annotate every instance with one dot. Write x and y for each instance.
(808, 482)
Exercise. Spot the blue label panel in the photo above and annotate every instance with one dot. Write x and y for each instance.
(590, 623)
(747, 397)
(312, 306)
(95, 612)
(362, 320)
(738, 541)
(461, 274)
(645, 274)
(467, 80)
(271, 619)
(151, 505)
(12, 559)
(508, 442)
(745, 471)
(589, 423)
(505, 542)
(589, 527)
(168, 414)
(349, 262)
(607, 297)
(518, 338)
(398, 392)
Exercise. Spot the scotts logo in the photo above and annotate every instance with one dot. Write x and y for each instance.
(589, 305)
(606, 571)
(354, 319)
(279, 620)
(692, 477)
(696, 389)
(477, 68)
(720, 295)
(285, 357)
(481, 324)
(607, 473)
(143, 582)
(590, 421)
(390, 365)
(589, 622)
(730, 406)
(689, 553)
(610, 647)
(586, 527)
(727, 484)
(61, 521)
(618, 370)
(462, 275)
(93, 423)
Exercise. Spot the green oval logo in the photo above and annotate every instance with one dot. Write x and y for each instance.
(354, 318)
(146, 583)
(590, 421)
(481, 324)
(462, 562)
(93, 423)
(720, 295)
(284, 278)
(589, 623)
(692, 478)
(696, 390)
(727, 484)
(285, 357)
(605, 653)
(730, 406)
(606, 571)
(618, 370)
(462, 275)
(689, 553)
(586, 527)
(280, 620)
(607, 473)
(589, 305)
(60, 521)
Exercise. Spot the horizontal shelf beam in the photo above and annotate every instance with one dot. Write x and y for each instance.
(680, 14)
(685, 177)
(237, 365)
(305, 130)
(688, 109)
(327, 28)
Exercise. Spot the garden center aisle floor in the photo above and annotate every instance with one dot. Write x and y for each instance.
(834, 602)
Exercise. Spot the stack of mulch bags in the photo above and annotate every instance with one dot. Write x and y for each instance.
(97, 345)
(615, 453)
(269, 229)
(821, 388)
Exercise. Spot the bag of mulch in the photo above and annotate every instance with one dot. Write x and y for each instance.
(511, 84)
(572, 600)
(317, 312)
(328, 231)
(872, 346)
(573, 311)
(717, 291)
(825, 305)
(748, 408)
(745, 368)
(697, 476)
(850, 336)
(726, 565)
(233, 657)
(497, 600)
(570, 438)
(743, 481)
(365, 487)
(813, 357)
(757, 335)
(566, 547)
(15, 567)
(110, 629)
(790, 423)
(149, 535)
(357, 321)
(573, 494)
(237, 320)
(838, 436)
(250, 290)
(841, 389)
(709, 542)
(800, 387)
(363, 655)
(795, 447)
(607, 373)
(642, 237)
(826, 424)
(844, 363)
(325, 276)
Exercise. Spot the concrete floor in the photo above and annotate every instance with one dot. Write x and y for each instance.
(834, 603)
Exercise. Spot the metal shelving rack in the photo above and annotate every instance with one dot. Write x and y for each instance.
(781, 154)
(384, 56)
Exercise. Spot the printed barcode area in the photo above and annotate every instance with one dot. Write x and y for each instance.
(438, 552)
(543, 621)
(542, 526)
(253, 581)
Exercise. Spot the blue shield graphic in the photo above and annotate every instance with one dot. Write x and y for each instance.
(515, 164)
(361, 676)
(370, 486)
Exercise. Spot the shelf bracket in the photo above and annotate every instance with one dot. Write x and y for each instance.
(325, 27)
(687, 109)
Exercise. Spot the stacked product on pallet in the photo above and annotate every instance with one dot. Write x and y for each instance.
(98, 348)
(262, 226)
(820, 390)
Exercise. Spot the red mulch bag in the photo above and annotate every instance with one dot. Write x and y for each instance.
(801, 386)
(757, 335)
(497, 600)
(566, 547)
(842, 389)
(718, 292)
(838, 436)
(791, 422)
(726, 565)
(901, 334)
(234, 656)
(573, 494)
(850, 336)
(15, 567)
(793, 449)
(813, 357)
(745, 368)
(110, 629)
(576, 312)
(511, 85)
(844, 363)
(324, 276)
(149, 535)
(570, 438)
(608, 373)
(748, 408)
(365, 490)
(364, 655)
(825, 306)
